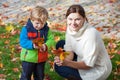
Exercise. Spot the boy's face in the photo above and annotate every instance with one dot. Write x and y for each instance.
(37, 24)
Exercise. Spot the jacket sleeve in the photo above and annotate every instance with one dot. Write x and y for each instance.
(50, 40)
(24, 41)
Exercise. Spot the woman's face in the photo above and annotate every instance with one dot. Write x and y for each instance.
(75, 21)
(37, 24)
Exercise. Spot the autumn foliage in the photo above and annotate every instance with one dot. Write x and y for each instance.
(60, 52)
(38, 41)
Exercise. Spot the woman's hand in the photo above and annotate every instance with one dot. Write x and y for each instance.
(57, 61)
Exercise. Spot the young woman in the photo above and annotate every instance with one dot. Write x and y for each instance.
(82, 39)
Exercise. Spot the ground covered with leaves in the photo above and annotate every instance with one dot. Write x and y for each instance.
(10, 64)
(103, 14)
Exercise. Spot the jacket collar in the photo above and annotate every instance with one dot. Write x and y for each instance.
(30, 27)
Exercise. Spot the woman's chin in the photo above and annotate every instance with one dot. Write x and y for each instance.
(74, 29)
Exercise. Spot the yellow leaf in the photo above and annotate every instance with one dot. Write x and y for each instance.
(9, 28)
(62, 57)
(118, 62)
(57, 38)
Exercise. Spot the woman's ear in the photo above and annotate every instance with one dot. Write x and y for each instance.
(86, 19)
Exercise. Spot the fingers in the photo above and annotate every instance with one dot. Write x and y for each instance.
(58, 61)
(35, 46)
(43, 48)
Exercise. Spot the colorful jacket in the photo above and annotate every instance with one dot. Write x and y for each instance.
(28, 33)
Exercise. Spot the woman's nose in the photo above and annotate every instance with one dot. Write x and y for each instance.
(73, 22)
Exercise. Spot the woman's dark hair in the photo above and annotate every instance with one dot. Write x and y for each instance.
(76, 9)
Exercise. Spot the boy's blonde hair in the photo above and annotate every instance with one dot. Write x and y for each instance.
(39, 13)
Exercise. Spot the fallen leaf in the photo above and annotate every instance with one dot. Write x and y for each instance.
(38, 41)
(99, 29)
(15, 69)
(112, 1)
(15, 59)
(56, 38)
(5, 5)
(1, 65)
(118, 62)
(9, 28)
(7, 41)
(2, 76)
(60, 52)
(57, 52)
(13, 32)
(77, 0)
(50, 9)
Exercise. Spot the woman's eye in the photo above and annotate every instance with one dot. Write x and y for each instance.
(78, 19)
(70, 19)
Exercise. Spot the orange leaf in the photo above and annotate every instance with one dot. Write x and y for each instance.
(5, 5)
(50, 9)
(1, 65)
(38, 41)
(15, 69)
(76, 0)
(112, 1)
(2, 23)
(60, 52)
(51, 63)
(58, 8)
(57, 52)
(99, 29)
(7, 42)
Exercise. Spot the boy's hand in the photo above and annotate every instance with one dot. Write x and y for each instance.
(43, 48)
(35, 46)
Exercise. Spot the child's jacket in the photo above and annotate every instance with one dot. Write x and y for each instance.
(28, 33)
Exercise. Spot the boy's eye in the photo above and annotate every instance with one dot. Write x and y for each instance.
(37, 23)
